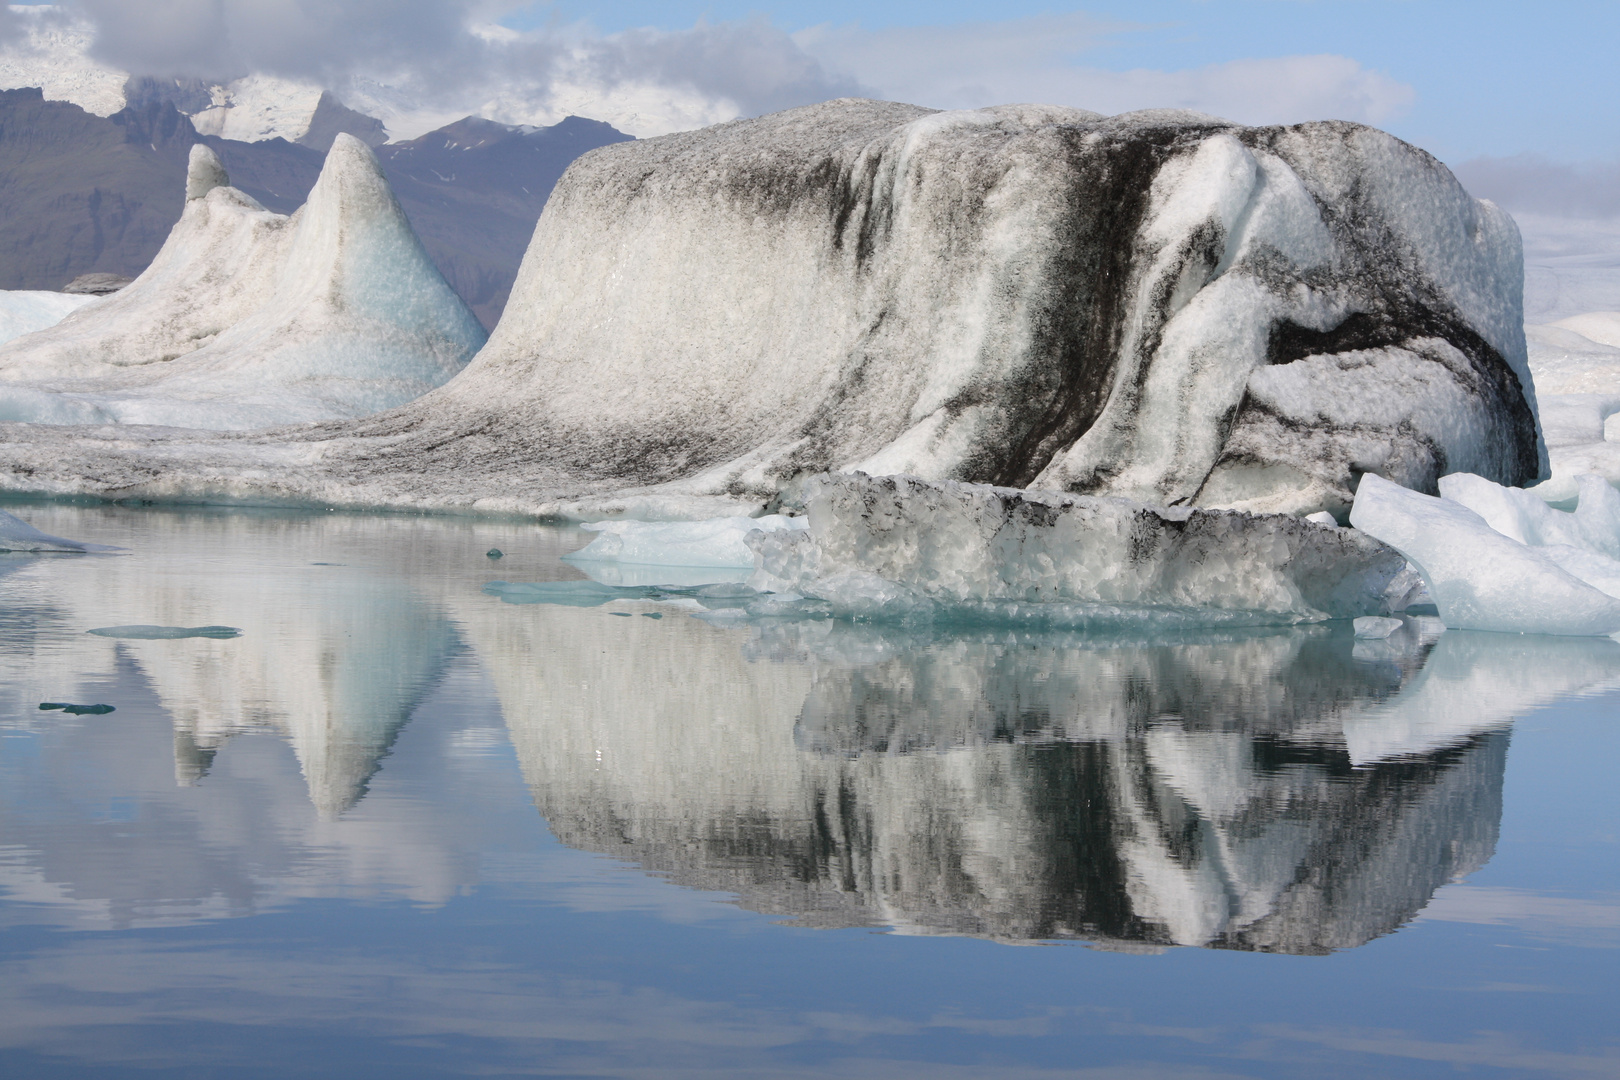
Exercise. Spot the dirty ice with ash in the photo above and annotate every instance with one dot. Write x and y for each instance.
(1234, 319)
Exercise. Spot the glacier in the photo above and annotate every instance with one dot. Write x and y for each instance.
(1160, 306)
(248, 319)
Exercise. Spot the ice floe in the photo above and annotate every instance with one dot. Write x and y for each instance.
(1484, 579)
(1157, 305)
(248, 319)
(900, 542)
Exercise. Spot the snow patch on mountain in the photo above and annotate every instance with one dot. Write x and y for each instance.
(53, 53)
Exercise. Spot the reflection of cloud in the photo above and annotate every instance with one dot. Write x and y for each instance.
(1520, 907)
(1494, 1050)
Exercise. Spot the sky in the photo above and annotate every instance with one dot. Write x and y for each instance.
(1486, 79)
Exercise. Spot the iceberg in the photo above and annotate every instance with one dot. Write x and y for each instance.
(24, 311)
(1483, 579)
(1158, 306)
(900, 544)
(248, 319)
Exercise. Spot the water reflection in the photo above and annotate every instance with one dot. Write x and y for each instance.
(1256, 792)
(1290, 791)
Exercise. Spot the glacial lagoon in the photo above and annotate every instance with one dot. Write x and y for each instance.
(401, 827)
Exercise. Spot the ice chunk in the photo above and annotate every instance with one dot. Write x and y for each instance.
(714, 542)
(144, 632)
(1322, 517)
(248, 319)
(1524, 516)
(1376, 626)
(17, 535)
(1479, 578)
(893, 544)
(23, 312)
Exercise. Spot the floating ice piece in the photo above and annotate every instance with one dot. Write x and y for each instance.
(715, 542)
(877, 544)
(143, 632)
(1523, 515)
(17, 535)
(1479, 578)
(249, 319)
(1376, 626)
(23, 312)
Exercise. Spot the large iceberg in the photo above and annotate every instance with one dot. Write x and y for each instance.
(248, 318)
(1159, 305)
(1481, 577)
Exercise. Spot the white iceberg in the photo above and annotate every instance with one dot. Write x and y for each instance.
(23, 311)
(1479, 578)
(1160, 306)
(249, 319)
(893, 545)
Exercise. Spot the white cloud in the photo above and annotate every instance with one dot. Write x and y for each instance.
(420, 63)
(1036, 60)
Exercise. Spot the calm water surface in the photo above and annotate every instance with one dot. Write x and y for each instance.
(401, 828)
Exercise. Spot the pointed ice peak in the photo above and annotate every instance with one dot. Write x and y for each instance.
(204, 172)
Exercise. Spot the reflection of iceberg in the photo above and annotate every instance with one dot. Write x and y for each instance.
(336, 661)
(1267, 792)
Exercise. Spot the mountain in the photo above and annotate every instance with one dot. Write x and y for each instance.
(81, 193)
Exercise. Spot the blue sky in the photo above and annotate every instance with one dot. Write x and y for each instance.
(1485, 78)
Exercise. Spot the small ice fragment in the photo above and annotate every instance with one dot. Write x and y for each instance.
(142, 632)
(620, 614)
(1322, 517)
(78, 710)
(17, 535)
(652, 614)
(1376, 626)
(494, 553)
